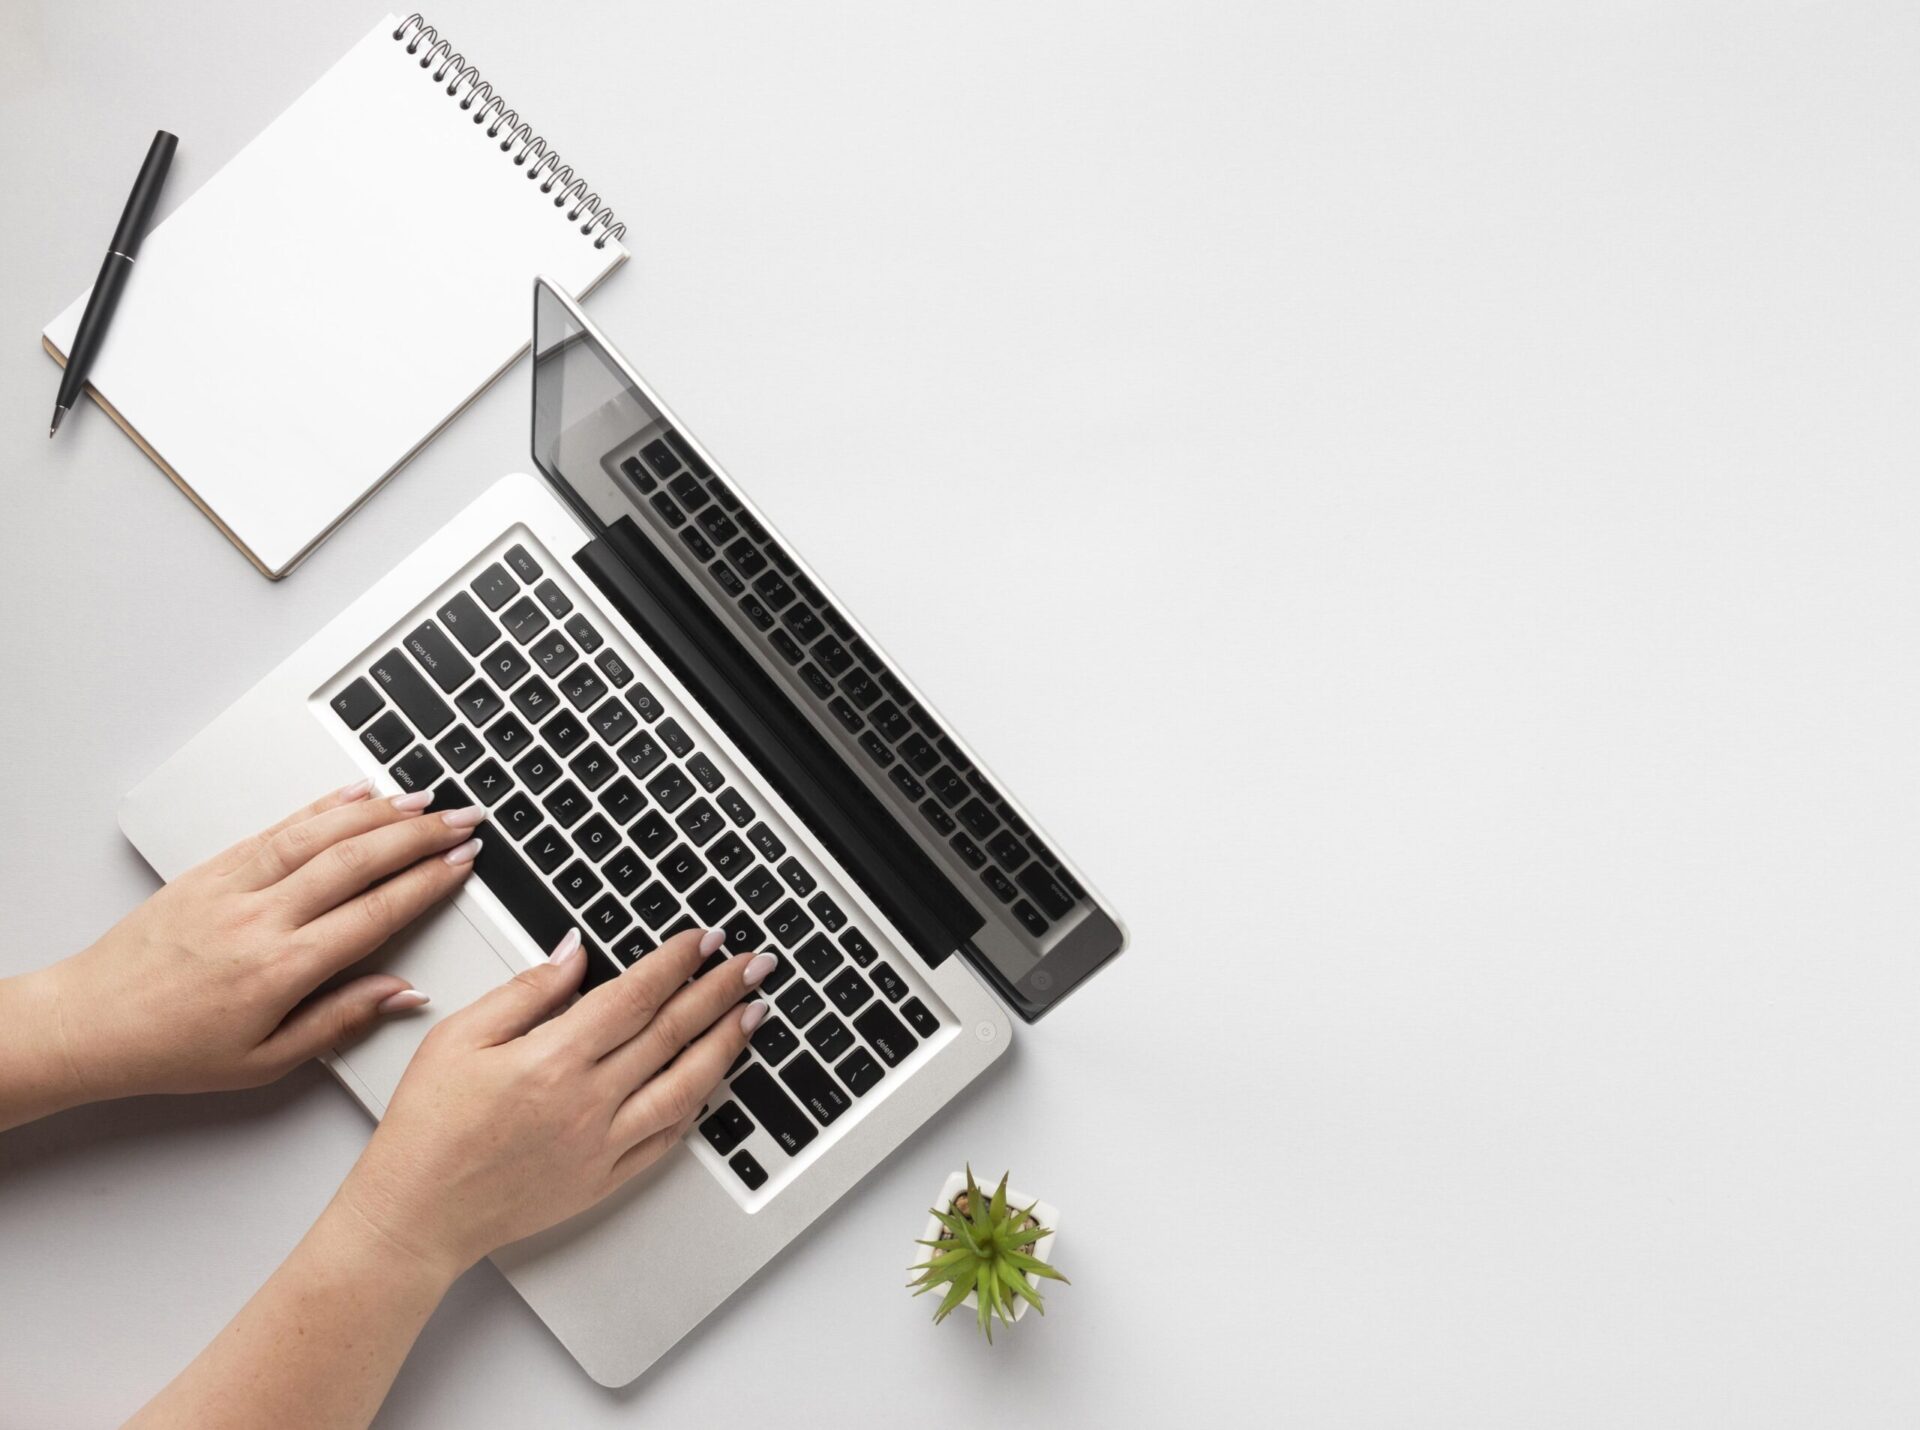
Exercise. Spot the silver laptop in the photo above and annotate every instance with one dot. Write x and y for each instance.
(671, 722)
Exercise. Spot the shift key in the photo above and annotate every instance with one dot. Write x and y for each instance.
(408, 689)
(773, 1109)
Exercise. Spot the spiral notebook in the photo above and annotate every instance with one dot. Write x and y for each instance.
(331, 298)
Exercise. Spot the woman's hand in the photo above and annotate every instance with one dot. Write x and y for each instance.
(211, 982)
(510, 1119)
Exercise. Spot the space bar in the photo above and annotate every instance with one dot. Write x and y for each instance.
(534, 906)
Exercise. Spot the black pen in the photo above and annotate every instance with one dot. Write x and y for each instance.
(113, 273)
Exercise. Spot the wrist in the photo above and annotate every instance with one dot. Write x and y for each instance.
(40, 1071)
(407, 1245)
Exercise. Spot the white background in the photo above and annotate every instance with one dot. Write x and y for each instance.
(1421, 502)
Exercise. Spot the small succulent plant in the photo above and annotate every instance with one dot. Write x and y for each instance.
(986, 1249)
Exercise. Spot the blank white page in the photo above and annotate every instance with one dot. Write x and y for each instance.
(309, 318)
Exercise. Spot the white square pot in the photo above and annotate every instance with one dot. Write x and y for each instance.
(1042, 1249)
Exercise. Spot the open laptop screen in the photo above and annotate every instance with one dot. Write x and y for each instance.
(798, 685)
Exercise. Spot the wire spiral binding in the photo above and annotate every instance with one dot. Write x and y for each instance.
(494, 113)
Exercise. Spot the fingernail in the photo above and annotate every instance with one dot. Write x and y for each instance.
(711, 939)
(751, 1015)
(758, 968)
(465, 818)
(567, 948)
(359, 789)
(399, 1002)
(419, 799)
(464, 853)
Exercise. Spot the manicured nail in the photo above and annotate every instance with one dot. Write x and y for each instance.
(465, 818)
(419, 799)
(567, 948)
(711, 939)
(359, 789)
(758, 968)
(400, 1002)
(464, 853)
(751, 1015)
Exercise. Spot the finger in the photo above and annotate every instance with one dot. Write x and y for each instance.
(297, 842)
(648, 1150)
(621, 1007)
(347, 934)
(236, 855)
(676, 1095)
(335, 1018)
(684, 1017)
(523, 1001)
(360, 860)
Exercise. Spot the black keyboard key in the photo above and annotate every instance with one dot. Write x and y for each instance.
(865, 654)
(856, 945)
(439, 656)
(718, 526)
(671, 787)
(519, 816)
(888, 720)
(818, 957)
(761, 617)
(593, 766)
(616, 670)
(849, 991)
(1045, 890)
(906, 783)
(972, 853)
(701, 548)
(921, 1017)
(553, 598)
(596, 838)
(641, 755)
(830, 1037)
(622, 799)
(494, 586)
(525, 619)
(801, 1004)
(712, 902)
(887, 1035)
(788, 647)
(645, 703)
(705, 771)
(753, 529)
(504, 665)
(726, 1128)
(894, 685)
(417, 769)
(639, 475)
(549, 850)
(803, 583)
(537, 769)
(687, 488)
(525, 896)
(657, 905)
(583, 687)
(522, 562)
(797, 877)
(407, 688)
(760, 889)
(743, 935)
(737, 809)
(1001, 885)
(674, 738)
(891, 985)
(845, 713)
(860, 689)
(1007, 851)
(583, 633)
(729, 582)
(937, 817)
(636, 945)
(859, 1071)
(778, 1115)
(746, 560)
(564, 732)
(553, 653)
(357, 703)
(876, 749)
(660, 457)
(509, 737)
(653, 833)
(804, 624)
(816, 682)
(387, 736)
(790, 923)
(766, 841)
(774, 590)
(535, 699)
(918, 751)
(979, 819)
(837, 623)
(817, 1091)
(566, 804)
(729, 857)
(489, 783)
(470, 625)
(681, 867)
(1030, 918)
(624, 871)
(923, 717)
(699, 821)
(827, 911)
(668, 509)
(608, 917)
(778, 556)
(459, 747)
(479, 702)
(832, 656)
(752, 1175)
(578, 883)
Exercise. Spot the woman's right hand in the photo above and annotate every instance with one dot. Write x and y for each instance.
(511, 1119)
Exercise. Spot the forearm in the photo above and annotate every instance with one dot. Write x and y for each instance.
(37, 1075)
(320, 1343)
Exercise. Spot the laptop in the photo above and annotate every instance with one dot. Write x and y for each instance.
(672, 722)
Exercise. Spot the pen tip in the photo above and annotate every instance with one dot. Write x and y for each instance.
(58, 413)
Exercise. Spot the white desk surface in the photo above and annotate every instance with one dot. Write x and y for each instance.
(1422, 501)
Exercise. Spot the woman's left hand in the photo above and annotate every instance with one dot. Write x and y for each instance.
(211, 983)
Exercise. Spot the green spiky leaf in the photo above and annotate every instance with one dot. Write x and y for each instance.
(979, 1253)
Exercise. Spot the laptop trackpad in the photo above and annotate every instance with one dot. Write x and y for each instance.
(445, 957)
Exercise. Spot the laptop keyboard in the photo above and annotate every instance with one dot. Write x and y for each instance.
(609, 812)
(957, 805)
